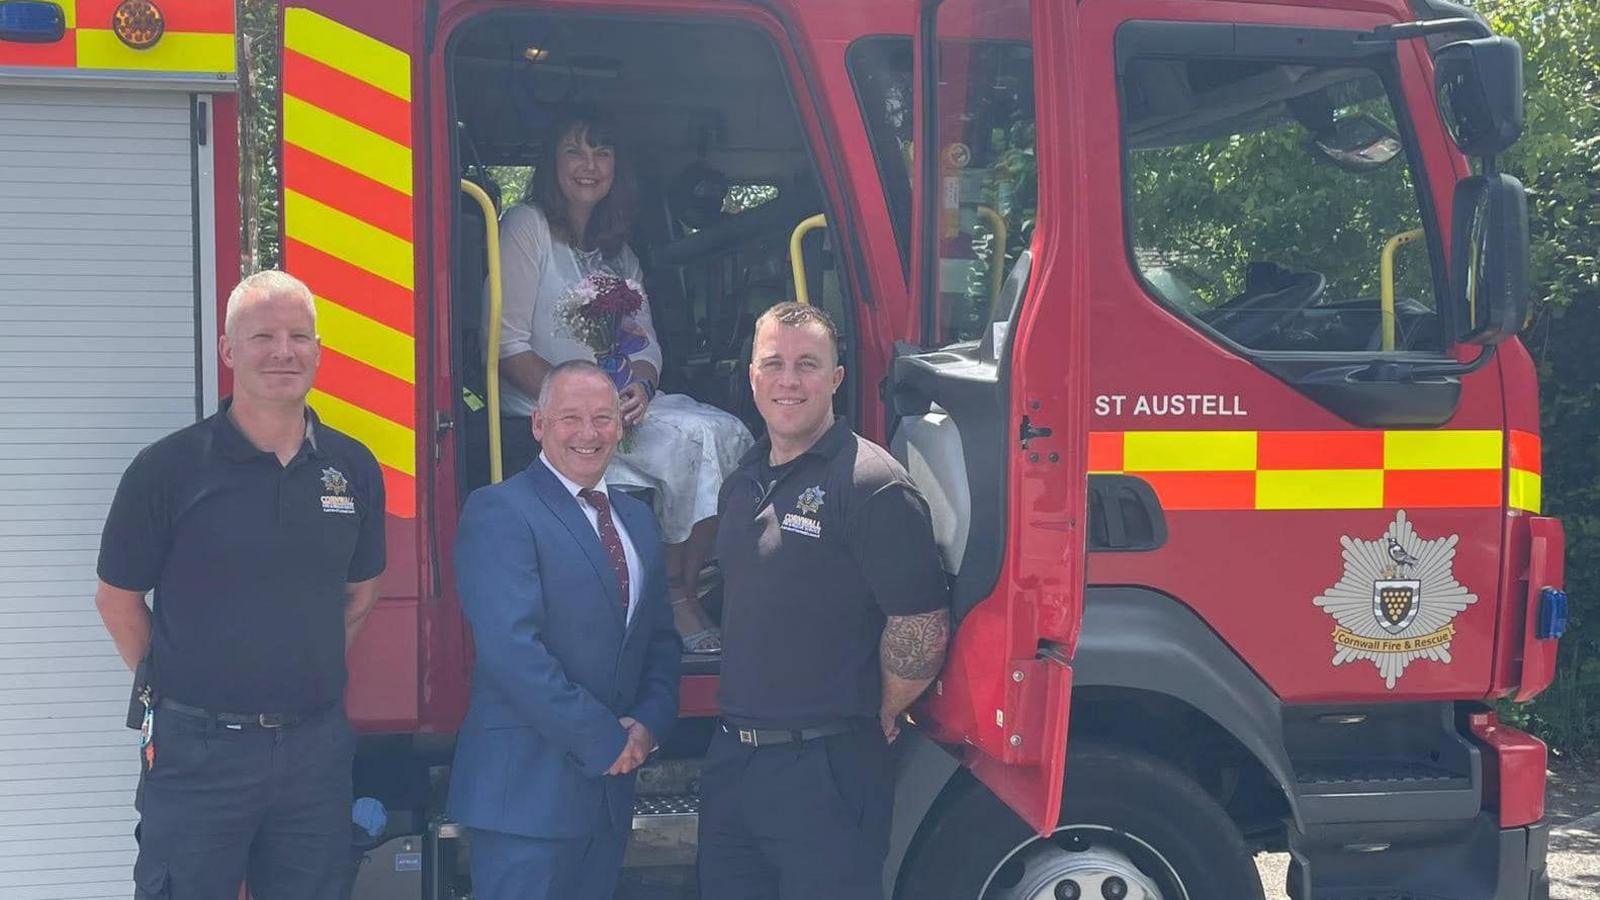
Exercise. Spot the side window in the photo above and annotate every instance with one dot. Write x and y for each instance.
(1274, 205)
(988, 174)
(880, 70)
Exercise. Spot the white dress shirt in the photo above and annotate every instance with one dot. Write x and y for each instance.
(635, 571)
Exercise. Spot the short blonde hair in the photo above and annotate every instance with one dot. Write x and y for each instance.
(268, 283)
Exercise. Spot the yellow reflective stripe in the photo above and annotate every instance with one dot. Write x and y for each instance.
(1524, 489)
(318, 131)
(1443, 449)
(357, 55)
(347, 238)
(70, 9)
(393, 444)
(1188, 451)
(366, 340)
(182, 51)
(1319, 489)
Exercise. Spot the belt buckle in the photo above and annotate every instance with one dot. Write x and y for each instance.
(747, 736)
(272, 720)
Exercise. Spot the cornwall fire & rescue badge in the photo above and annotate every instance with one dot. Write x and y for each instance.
(336, 497)
(1396, 601)
(804, 519)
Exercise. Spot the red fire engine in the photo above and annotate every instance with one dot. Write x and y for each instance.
(1194, 319)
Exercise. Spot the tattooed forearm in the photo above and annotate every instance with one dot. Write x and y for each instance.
(912, 647)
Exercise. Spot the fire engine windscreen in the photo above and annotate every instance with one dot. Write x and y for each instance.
(1275, 205)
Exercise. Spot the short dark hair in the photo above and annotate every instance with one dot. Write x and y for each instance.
(612, 219)
(799, 315)
(570, 367)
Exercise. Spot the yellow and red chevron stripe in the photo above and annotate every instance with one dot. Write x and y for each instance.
(198, 38)
(347, 227)
(1220, 470)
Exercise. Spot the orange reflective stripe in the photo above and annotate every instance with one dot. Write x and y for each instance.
(1105, 451)
(1442, 488)
(1319, 450)
(355, 289)
(348, 232)
(1290, 470)
(351, 379)
(1203, 490)
(334, 185)
(1526, 452)
(62, 54)
(177, 15)
(399, 493)
(347, 97)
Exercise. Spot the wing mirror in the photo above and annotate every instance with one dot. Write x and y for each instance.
(1479, 85)
(1489, 258)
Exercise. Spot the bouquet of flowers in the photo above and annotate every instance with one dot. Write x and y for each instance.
(599, 312)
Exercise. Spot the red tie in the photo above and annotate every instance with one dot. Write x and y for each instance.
(610, 540)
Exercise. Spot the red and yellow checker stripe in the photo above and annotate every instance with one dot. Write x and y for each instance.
(1221, 470)
(347, 226)
(199, 38)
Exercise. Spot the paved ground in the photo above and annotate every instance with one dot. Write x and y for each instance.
(1572, 805)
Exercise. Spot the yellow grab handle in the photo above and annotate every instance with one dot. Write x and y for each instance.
(796, 261)
(491, 237)
(997, 257)
(1386, 277)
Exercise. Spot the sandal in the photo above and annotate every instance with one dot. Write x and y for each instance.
(703, 642)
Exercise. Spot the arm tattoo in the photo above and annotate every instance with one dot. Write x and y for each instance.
(913, 646)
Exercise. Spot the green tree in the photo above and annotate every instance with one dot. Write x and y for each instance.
(1558, 159)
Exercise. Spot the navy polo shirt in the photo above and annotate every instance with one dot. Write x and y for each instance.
(815, 554)
(248, 559)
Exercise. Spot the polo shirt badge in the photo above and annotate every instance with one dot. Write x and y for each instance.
(336, 497)
(808, 505)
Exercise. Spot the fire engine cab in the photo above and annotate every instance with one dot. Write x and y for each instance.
(1193, 319)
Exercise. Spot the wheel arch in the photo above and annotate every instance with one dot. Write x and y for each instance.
(1150, 660)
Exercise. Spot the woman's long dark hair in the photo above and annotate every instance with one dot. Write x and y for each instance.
(612, 218)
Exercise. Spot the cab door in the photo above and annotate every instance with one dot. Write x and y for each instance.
(991, 405)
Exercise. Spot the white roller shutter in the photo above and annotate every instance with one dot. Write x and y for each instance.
(97, 359)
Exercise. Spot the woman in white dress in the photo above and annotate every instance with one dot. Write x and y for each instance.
(573, 224)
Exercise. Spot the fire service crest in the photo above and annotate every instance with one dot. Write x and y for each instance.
(1397, 600)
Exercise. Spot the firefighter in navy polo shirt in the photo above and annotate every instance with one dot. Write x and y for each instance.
(835, 618)
(260, 532)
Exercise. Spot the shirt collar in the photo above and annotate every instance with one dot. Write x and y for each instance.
(826, 447)
(572, 486)
(238, 447)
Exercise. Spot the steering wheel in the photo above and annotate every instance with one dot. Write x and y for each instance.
(1268, 301)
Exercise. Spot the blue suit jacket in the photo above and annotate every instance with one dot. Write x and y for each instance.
(555, 665)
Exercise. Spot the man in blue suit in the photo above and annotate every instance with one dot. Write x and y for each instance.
(576, 676)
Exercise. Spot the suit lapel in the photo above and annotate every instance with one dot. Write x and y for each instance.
(565, 507)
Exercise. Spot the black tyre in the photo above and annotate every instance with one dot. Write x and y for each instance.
(1132, 828)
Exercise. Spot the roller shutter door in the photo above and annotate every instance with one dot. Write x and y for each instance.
(98, 358)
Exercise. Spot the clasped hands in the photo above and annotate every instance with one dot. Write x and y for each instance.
(634, 753)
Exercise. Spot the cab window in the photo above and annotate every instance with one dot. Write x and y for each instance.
(988, 173)
(1274, 205)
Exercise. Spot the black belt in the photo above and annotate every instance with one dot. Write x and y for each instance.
(261, 720)
(766, 737)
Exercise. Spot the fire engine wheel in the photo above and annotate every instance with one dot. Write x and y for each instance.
(1132, 828)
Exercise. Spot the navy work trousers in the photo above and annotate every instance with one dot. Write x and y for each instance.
(513, 867)
(797, 821)
(222, 804)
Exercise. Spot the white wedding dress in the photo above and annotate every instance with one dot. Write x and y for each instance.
(683, 448)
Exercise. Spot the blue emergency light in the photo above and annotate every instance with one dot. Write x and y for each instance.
(32, 22)
(1552, 614)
